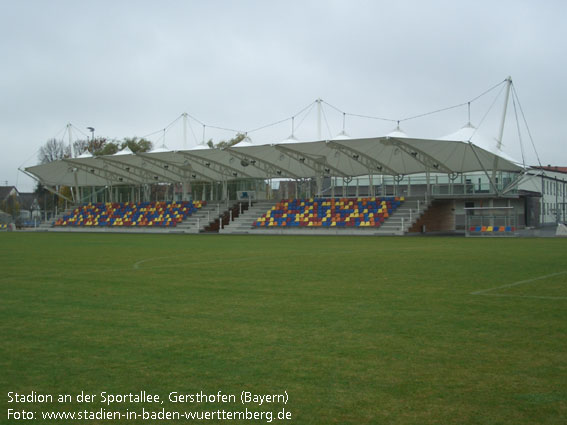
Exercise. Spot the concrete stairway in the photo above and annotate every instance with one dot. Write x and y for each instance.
(46, 225)
(243, 223)
(197, 222)
(404, 217)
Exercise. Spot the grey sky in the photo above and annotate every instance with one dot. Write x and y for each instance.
(130, 68)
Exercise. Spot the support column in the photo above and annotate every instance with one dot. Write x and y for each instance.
(319, 183)
(428, 190)
(332, 187)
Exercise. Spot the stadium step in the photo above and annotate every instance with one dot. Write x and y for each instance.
(46, 225)
(197, 222)
(233, 213)
(404, 217)
(243, 223)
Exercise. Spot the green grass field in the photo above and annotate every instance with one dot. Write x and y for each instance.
(357, 330)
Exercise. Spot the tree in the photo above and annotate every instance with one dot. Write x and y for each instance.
(53, 150)
(80, 146)
(103, 146)
(137, 144)
(65, 191)
(45, 198)
(11, 205)
(95, 147)
(226, 144)
(109, 148)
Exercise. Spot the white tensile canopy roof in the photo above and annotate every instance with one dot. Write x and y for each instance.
(394, 154)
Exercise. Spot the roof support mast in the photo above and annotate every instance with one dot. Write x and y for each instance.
(185, 130)
(75, 193)
(319, 118)
(501, 133)
(71, 148)
(319, 179)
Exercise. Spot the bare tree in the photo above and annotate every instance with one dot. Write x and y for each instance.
(80, 146)
(52, 151)
(94, 147)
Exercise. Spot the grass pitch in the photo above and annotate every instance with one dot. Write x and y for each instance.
(358, 330)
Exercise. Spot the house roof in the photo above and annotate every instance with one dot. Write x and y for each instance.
(553, 168)
(5, 191)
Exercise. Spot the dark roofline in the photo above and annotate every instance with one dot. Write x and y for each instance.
(5, 191)
(554, 168)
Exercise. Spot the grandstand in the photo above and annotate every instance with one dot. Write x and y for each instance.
(336, 185)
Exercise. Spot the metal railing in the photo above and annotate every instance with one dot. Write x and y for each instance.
(466, 189)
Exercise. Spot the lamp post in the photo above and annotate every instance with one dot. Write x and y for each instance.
(91, 129)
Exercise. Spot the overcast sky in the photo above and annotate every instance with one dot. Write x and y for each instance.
(130, 68)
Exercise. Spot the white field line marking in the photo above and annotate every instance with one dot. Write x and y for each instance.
(145, 260)
(138, 264)
(520, 282)
(524, 296)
